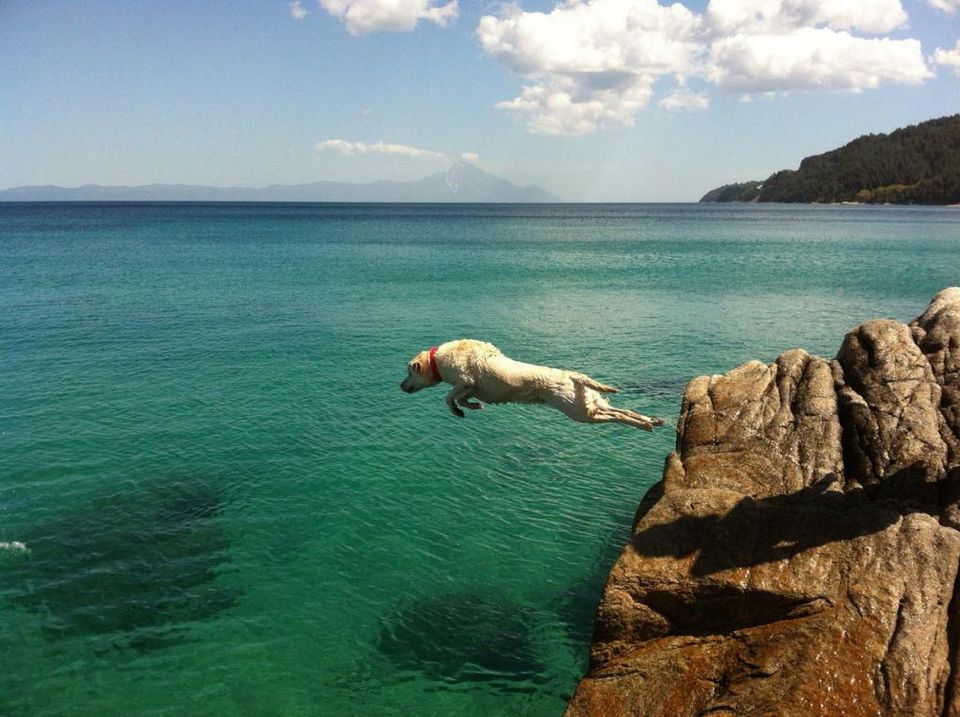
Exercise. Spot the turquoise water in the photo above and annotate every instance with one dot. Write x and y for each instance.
(228, 507)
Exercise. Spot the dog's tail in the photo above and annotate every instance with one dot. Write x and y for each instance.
(592, 383)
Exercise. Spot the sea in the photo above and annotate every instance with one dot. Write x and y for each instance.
(215, 499)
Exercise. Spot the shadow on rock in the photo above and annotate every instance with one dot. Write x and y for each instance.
(758, 531)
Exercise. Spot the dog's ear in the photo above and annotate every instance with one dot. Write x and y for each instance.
(415, 365)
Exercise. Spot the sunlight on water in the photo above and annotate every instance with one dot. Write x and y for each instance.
(215, 500)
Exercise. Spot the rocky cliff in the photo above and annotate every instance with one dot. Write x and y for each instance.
(800, 555)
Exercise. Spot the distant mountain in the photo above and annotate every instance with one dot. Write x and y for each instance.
(919, 164)
(463, 182)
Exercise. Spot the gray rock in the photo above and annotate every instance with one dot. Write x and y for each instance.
(800, 555)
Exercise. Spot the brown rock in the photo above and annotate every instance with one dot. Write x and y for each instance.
(937, 333)
(890, 408)
(800, 555)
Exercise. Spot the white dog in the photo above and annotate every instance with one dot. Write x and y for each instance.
(479, 370)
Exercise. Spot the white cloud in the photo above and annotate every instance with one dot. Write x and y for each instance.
(363, 16)
(591, 64)
(570, 106)
(945, 5)
(947, 58)
(776, 16)
(297, 10)
(598, 36)
(683, 100)
(813, 59)
(353, 149)
(788, 45)
(471, 157)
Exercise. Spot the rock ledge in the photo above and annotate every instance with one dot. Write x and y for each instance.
(800, 555)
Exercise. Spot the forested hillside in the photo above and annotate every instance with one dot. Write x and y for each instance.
(919, 164)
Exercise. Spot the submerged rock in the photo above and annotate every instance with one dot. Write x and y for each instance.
(136, 569)
(465, 637)
(800, 555)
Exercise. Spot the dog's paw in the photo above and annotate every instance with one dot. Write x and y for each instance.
(656, 421)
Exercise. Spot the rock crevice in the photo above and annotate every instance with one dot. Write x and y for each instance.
(800, 555)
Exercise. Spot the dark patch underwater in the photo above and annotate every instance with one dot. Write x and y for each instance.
(136, 567)
(465, 638)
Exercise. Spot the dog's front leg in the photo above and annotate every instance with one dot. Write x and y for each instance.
(460, 391)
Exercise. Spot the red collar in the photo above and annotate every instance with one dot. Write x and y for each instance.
(433, 364)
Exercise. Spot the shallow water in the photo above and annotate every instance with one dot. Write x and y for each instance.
(226, 505)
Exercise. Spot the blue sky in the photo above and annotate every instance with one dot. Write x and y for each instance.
(595, 100)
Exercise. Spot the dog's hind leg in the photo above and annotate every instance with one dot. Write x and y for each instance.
(635, 415)
(629, 418)
(472, 405)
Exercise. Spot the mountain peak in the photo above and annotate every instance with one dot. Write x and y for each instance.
(466, 182)
(463, 168)
(466, 164)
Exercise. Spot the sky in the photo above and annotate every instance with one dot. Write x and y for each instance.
(594, 100)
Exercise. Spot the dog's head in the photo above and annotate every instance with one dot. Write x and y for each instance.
(419, 374)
